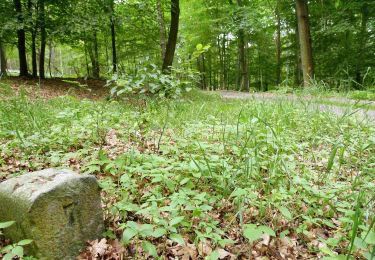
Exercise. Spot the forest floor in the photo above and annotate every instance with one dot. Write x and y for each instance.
(201, 177)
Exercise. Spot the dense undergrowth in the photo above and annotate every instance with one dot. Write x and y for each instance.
(202, 177)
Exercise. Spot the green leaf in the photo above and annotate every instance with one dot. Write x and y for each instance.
(199, 47)
(267, 230)
(18, 251)
(149, 248)
(128, 234)
(25, 242)
(159, 232)
(146, 230)
(252, 233)
(177, 238)
(285, 212)
(6, 224)
(332, 158)
(176, 221)
(213, 256)
(8, 256)
(370, 239)
(184, 181)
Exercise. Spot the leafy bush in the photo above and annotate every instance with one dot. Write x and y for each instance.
(151, 81)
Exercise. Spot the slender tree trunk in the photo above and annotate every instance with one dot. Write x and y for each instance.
(33, 54)
(50, 55)
(225, 74)
(113, 37)
(242, 50)
(305, 41)
(86, 60)
(362, 43)
(172, 39)
(43, 39)
(221, 62)
(33, 29)
(278, 44)
(244, 72)
(21, 44)
(95, 58)
(3, 60)
(162, 32)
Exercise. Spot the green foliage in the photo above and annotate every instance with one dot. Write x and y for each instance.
(14, 250)
(151, 81)
(200, 169)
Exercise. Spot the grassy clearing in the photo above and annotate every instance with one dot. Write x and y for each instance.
(203, 177)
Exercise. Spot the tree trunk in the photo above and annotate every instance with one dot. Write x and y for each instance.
(21, 44)
(94, 55)
(50, 55)
(113, 37)
(305, 41)
(244, 73)
(172, 39)
(362, 43)
(162, 32)
(278, 44)
(242, 51)
(33, 29)
(43, 39)
(3, 60)
(225, 74)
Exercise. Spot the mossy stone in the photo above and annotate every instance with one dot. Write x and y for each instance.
(58, 209)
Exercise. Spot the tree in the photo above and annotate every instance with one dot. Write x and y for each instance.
(43, 38)
(278, 44)
(113, 36)
(305, 41)
(161, 20)
(21, 39)
(172, 39)
(243, 79)
(3, 60)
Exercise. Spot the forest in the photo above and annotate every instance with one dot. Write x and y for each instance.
(216, 129)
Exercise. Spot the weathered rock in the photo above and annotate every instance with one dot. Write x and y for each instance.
(58, 209)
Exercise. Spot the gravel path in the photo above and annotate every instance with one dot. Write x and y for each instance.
(313, 102)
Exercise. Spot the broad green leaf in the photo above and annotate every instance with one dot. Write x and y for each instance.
(25, 242)
(370, 239)
(159, 232)
(213, 256)
(286, 213)
(267, 230)
(149, 248)
(176, 220)
(18, 251)
(128, 234)
(177, 238)
(8, 256)
(6, 224)
(252, 233)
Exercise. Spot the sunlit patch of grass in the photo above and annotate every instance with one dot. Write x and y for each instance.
(244, 176)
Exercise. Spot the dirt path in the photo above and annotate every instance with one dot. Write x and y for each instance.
(340, 107)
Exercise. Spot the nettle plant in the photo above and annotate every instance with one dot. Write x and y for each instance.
(14, 250)
(151, 81)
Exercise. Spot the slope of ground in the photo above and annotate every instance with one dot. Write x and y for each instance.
(205, 177)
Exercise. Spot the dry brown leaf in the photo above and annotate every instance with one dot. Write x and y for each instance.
(98, 248)
(223, 254)
(205, 248)
(189, 251)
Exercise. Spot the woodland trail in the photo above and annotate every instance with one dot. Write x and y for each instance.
(338, 106)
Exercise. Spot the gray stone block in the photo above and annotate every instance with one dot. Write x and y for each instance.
(58, 209)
